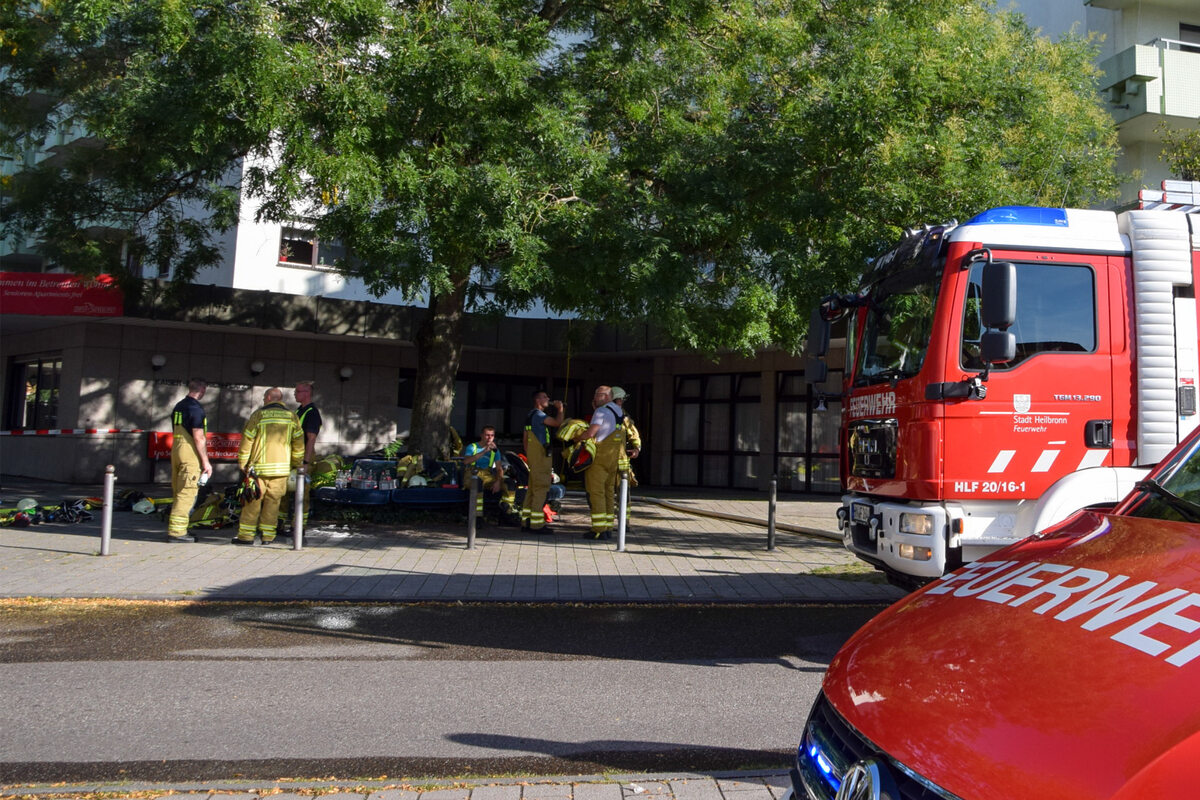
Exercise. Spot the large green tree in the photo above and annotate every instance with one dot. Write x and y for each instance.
(713, 165)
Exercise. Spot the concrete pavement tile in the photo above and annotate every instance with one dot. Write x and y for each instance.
(502, 586)
(635, 587)
(778, 785)
(446, 794)
(744, 789)
(568, 587)
(546, 791)
(611, 585)
(410, 585)
(703, 789)
(638, 790)
(334, 796)
(590, 586)
(394, 794)
(598, 791)
(433, 586)
(508, 791)
(479, 586)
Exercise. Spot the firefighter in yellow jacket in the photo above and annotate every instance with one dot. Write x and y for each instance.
(272, 446)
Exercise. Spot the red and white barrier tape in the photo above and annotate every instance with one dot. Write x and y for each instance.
(57, 431)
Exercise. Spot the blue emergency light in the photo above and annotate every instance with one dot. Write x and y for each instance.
(1021, 215)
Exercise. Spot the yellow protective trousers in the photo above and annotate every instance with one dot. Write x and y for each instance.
(540, 467)
(600, 481)
(185, 477)
(263, 514)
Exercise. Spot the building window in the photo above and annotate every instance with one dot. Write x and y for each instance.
(806, 444)
(301, 247)
(717, 431)
(33, 403)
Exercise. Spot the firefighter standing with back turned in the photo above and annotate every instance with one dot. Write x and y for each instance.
(272, 446)
(189, 458)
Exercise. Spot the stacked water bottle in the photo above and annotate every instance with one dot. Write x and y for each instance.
(363, 478)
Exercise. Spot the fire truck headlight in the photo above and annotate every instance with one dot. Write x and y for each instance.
(916, 523)
(915, 553)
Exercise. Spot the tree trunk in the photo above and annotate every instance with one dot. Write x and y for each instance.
(439, 352)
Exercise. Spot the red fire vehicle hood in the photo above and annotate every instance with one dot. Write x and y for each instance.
(1067, 666)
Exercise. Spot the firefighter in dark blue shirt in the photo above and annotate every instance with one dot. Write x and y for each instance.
(189, 458)
(310, 423)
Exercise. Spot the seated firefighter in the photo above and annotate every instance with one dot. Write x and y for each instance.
(489, 466)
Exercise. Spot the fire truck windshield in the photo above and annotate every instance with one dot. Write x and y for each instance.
(899, 319)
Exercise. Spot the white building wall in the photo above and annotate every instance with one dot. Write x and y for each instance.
(256, 265)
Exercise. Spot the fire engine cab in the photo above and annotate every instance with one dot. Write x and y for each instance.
(1006, 372)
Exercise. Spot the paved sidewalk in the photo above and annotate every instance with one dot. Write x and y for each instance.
(748, 785)
(709, 547)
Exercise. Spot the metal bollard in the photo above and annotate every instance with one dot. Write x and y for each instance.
(110, 478)
(472, 497)
(622, 506)
(771, 515)
(298, 519)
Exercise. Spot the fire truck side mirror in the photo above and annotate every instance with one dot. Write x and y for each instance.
(816, 344)
(999, 294)
(998, 347)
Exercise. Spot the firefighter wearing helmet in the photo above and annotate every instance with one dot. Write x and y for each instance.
(600, 480)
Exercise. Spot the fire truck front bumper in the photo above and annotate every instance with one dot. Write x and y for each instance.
(902, 537)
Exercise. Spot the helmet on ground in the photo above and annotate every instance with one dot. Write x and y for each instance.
(22, 519)
(417, 480)
(27, 504)
(144, 506)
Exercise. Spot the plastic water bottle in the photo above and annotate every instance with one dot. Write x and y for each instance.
(203, 479)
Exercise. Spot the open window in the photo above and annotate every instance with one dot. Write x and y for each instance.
(301, 247)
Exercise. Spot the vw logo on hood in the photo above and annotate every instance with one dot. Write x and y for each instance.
(867, 780)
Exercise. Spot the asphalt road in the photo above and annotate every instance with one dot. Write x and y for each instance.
(169, 692)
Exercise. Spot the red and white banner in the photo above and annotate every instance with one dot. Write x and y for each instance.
(60, 431)
(55, 294)
(221, 446)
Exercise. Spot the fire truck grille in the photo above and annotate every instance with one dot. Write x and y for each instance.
(831, 746)
(873, 448)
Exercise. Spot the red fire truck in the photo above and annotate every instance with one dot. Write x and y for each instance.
(1006, 372)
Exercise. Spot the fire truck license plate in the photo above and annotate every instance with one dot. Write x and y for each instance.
(860, 512)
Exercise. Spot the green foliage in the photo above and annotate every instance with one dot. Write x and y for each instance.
(762, 151)
(1181, 152)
